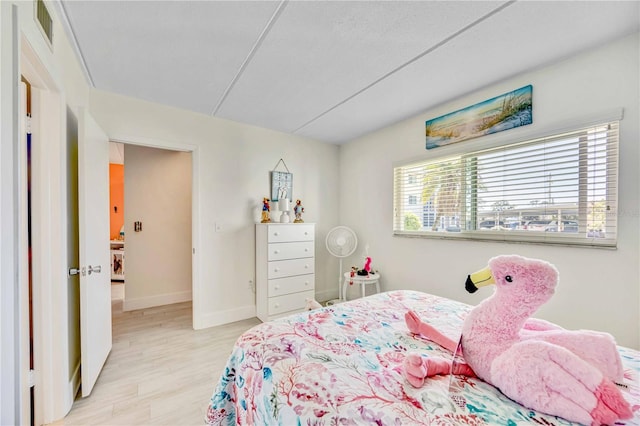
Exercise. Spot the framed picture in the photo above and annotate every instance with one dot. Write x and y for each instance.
(281, 185)
(504, 112)
(117, 264)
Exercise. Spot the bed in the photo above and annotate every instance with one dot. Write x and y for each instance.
(341, 365)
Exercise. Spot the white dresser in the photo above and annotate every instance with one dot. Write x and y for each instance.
(285, 268)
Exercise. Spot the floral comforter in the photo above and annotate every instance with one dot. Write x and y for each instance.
(341, 365)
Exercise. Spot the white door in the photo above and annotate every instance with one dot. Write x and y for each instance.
(95, 280)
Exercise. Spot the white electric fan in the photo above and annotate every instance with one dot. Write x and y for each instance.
(341, 242)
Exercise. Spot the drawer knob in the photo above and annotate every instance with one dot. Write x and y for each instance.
(306, 249)
(276, 251)
(277, 287)
(306, 233)
(306, 283)
(306, 266)
(277, 305)
(276, 269)
(275, 234)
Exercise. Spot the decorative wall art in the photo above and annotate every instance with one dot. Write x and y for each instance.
(281, 183)
(504, 112)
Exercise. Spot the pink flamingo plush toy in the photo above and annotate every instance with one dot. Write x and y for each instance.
(570, 374)
(367, 265)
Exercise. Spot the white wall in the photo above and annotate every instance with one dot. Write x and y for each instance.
(10, 362)
(231, 167)
(599, 289)
(157, 191)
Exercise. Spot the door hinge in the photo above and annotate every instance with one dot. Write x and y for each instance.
(28, 123)
(32, 378)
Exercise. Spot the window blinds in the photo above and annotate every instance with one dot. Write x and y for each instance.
(557, 189)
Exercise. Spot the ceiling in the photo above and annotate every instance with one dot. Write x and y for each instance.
(327, 70)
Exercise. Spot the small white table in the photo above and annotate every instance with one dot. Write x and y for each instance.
(362, 280)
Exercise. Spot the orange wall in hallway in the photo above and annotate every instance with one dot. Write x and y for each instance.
(116, 198)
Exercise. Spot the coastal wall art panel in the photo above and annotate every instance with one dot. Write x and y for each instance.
(504, 112)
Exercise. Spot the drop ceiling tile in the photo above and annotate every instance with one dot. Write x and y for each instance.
(328, 64)
(521, 38)
(179, 53)
(320, 53)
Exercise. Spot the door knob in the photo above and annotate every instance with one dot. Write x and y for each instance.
(97, 269)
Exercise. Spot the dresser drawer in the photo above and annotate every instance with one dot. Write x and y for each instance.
(295, 284)
(282, 251)
(289, 302)
(286, 233)
(287, 268)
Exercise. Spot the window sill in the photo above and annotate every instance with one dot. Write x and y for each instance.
(513, 238)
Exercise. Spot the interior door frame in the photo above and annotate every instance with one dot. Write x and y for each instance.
(54, 392)
(196, 313)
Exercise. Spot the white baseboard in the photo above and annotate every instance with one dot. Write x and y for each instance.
(224, 317)
(159, 300)
(245, 312)
(74, 384)
(69, 396)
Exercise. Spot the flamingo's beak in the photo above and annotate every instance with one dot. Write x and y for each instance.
(479, 279)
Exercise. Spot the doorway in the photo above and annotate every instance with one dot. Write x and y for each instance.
(153, 223)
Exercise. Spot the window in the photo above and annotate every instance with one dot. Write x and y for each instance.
(413, 200)
(557, 189)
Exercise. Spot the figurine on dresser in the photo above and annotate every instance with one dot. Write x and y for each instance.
(298, 210)
(265, 211)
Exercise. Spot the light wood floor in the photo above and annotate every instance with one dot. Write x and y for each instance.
(160, 371)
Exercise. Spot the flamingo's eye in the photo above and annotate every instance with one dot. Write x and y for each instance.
(508, 278)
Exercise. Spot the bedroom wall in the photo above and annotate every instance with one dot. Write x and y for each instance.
(232, 162)
(10, 367)
(599, 288)
(158, 258)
